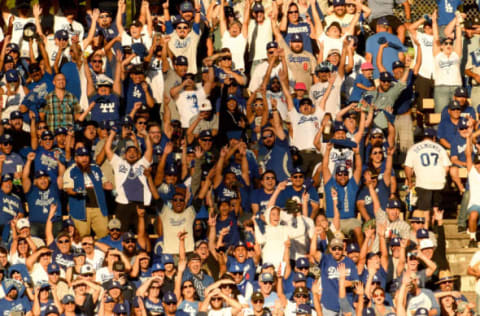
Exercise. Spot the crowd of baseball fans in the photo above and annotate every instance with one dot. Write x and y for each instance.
(218, 157)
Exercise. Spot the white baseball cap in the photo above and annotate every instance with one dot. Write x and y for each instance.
(22, 223)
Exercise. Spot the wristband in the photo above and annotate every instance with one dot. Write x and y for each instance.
(335, 198)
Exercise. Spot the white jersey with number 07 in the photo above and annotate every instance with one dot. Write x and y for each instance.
(428, 160)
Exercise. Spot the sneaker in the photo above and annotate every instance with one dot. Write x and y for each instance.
(461, 229)
(472, 243)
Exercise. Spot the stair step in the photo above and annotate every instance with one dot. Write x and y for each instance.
(459, 258)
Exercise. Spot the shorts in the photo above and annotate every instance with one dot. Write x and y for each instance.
(474, 208)
(427, 199)
(393, 21)
(349, 224)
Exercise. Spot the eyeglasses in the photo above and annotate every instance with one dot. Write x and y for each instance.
(337, 249)
(292, 12)
(187, 286)
(448, 43)
(142, 122)
(216, 298)
(298, 177)
(378, 295)
(376, 153)
(87, 243)
(206, 139)
(301, 296)
(267, 136)
(64, 241)
(178, 200)
(237, 273)
(130, 241)
(258, 301)
(342, 174)
(182, 27)
(97, 61)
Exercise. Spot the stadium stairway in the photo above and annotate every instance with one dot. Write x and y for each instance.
(459, 256)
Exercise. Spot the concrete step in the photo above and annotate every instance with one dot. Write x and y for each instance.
(459, 258)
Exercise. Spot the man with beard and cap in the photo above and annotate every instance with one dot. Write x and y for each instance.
(130, 180)
(12, 161)
(22, 138)
(40, 194)
(84, 183)
(113, 239)
(10, 205)
(301, 63)
(12, 302)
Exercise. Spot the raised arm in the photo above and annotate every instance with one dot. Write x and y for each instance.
(380, 66)
(108, 145)
(436, 36)
(223, 19)
(120, 11)
(326, 159)
(26, 182)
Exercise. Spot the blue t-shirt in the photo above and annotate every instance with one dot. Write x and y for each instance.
(10, 206)
(329, 272)
(107, 107)
(233, 235)
(135, 94)
(290, 192)
(383, 193)
(278, 158)
(39, 202)
(351, 189)
(248, 267)
(260, 197)
(304, 30)
(21, 304)
(357, 92)
(390, 55)
(63, 260)
(72, 76)
(407, 96)
(152, 307)
(381, 275)
(188, 307)
(11, 162)
(112, 243)
(468, 110)
(446, 10)
(447, 130)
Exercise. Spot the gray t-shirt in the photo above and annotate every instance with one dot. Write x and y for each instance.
(382, 7)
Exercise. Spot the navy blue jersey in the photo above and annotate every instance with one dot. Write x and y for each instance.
(39, 202)
(107, 107)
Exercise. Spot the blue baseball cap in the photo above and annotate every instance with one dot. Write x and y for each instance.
(51, 309)
(7, 177)
(60, 131)
(395, 242)
(166, 259)
(461, 92)
(235, 268)
(302, 263)
(421, 312)
(114, 285)
(462, 124)
(397, 64)
(82, 151)
(383, 21)
(15, 115)
(181, 61)
(429, 132)
(6, 138)
(422, 233)
(171, 170)
(205, 134)
(341, 168)
(393, 203)
(299, 277)
(386, 76)
(169, 297)
(68, 298)
(53, 268)
(296, 38)
(158, 267)
(46, 134)
(272, 44)
(297, 170)
(353, 247)
(258, 7)
(240, 244)
(61, 35)
(41, 173)
(186, 7)
(13, 47)
(339, 126)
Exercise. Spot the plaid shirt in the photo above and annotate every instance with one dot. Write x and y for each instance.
(60, 113)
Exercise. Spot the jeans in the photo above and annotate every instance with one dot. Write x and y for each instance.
(463, 213)
(442, 96)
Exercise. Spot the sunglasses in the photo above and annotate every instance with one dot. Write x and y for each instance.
(142, 122)
(292, 12)
(216, 298)
(379, 295)
(342, 174)
(269, 178)
(258, 301)
(206, 139)
(187, 286)
(87, 244)
(7, 144)
(97, 61)
(170, 303)
(130, 241)
(301, 296)
(448, 43)
(267, 136)
(114, 230)
(297, 177)
(103, 16)
(55, 273)
(88, 275)
(337, 249)
(270, 52)
(268, 282)
(227, 58)
(237, 273)
(64, 241)
(178, 200)
(376, 152)
(47, 138)
(182, 27)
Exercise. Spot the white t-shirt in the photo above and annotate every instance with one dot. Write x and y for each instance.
(97, 261)
(187, 105)
(305, 127)
(237, 47)
(264, 35)
(474, 183)
(122, 169)
(474, 264)
(173, 223)
(330, 43)
(349, 81)
(186, 47)
(426, 44)
(281, 103)
(103, 275)
(344, 21)
(258, 74)
(333, 103)
(144, 39)
(74, 28)
(428, 160)
(17, 30)
(226, 311)
(447, 70)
